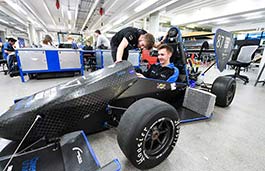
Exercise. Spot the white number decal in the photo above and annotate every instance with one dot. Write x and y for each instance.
(220, 41)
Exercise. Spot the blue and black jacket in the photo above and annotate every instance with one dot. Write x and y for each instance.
(168, 73)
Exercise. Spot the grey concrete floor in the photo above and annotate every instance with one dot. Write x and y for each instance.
(233, 140)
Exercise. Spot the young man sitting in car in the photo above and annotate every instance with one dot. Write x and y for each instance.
(164, 70)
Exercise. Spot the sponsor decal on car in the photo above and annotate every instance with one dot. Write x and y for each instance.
(173, 86)
(78, 151)
(161, 86)
(69, 84)
(131, 71)
(121, 73)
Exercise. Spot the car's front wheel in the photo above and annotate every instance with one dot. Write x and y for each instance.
(224, 88)
(148, 132)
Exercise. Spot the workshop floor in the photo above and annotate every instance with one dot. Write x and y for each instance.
(233, 140)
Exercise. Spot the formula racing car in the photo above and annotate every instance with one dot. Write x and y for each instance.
(147, 113)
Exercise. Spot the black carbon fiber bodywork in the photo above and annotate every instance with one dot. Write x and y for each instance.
(78, 104)
(172, 93)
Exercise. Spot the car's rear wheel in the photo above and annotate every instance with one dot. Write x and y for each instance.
(148, 132)
(224, 88)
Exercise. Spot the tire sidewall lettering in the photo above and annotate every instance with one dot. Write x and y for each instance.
(139, 144)
(141, 156)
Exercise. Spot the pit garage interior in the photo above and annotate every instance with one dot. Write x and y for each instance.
(232, 139)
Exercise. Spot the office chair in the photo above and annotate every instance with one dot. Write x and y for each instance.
(244, 58)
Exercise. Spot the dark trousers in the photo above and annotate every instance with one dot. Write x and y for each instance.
(11, 60)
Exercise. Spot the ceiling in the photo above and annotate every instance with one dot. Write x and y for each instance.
(80, 15)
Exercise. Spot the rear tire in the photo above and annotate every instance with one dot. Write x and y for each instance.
(224, 88)
(148, 132)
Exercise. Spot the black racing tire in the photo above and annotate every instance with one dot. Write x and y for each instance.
(224, 88)
(148, 131)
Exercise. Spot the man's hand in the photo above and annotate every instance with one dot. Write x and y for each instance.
(118, 61)
(162, 41)
(140, 75)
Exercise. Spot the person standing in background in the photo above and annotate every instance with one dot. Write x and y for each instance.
(102, 42)
(127, 39)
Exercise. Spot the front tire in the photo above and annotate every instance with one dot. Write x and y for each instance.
(224, 88)
(148, 132)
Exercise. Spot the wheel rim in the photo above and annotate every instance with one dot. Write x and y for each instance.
(159, 137)
(230, 94)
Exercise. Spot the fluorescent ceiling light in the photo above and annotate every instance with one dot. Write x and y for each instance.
(33, 22)
(121, 20)
(156, 9)
(107, 28)
(254, 17)
(251, 14)
(20, 29)
(29, 19)
(15, 6)
(145, 5)
(62, 12)
(149, 12)
(4, 21)
(204, 22)
(49, 13)
(35, 15)
(19, 20)
(69, 15)
(223, 22)
(76, 12)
